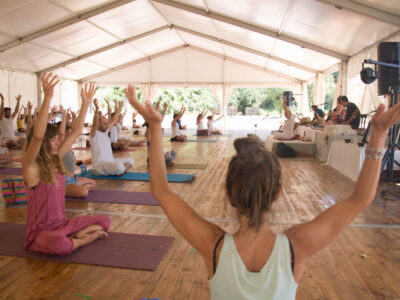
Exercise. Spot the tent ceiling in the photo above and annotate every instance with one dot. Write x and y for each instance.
(254, 31)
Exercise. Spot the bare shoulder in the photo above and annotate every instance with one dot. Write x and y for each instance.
(31, 174)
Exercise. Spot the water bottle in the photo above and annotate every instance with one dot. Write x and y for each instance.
(83, 169)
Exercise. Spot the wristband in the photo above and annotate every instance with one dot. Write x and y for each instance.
(374, 153)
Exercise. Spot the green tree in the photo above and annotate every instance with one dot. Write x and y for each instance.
(330, 82)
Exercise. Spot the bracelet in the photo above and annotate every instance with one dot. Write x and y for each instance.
(374, 153)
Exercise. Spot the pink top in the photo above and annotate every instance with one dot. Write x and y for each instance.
(46, 207)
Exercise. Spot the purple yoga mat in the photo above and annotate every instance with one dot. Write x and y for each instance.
(119, 250)
(122, 197)
(11, 171)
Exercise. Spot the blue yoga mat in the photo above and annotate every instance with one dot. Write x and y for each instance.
(142, 176)
(202, 141)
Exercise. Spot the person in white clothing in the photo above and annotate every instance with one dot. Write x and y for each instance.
(176, 136)
(103, 160)
(254, 262)
(120, 142)
(288, 128)
(211, 124)
(7, 126)
(201, 126)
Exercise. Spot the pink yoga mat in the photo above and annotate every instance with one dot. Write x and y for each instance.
(88, 149)
(119, 250)
(122, 197)
(11, 171)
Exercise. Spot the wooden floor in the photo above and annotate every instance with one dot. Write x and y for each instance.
(337, 272)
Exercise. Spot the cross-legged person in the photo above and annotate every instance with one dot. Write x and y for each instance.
(201, 126)
(103, 160)
(48, 230)
(7, 126)
(176, 135)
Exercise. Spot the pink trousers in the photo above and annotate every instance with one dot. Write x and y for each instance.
(57, 241)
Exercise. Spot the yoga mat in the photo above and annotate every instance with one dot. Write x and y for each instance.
(80, 148)
(122, 197)
(202, 141)
(119, 250)
(188, 166)
(16, 159)
(20, 133)
(142, 177)
(11, 171)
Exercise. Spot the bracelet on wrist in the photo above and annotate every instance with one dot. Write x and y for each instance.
(374, 153)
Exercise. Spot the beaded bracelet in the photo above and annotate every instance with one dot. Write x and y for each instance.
(374, 153)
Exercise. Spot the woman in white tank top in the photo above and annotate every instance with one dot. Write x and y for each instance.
(255, 263)
(176, 136)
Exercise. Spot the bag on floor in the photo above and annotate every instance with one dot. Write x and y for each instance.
(283, 150)
(14, 191)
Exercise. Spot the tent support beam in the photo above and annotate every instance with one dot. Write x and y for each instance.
(63, 24)
(109, 47)
(135, 62)
(365, 10)
(240, 47)
(251, 27)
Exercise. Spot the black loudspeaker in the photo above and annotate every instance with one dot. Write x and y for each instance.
(283, 150)
(388, 52)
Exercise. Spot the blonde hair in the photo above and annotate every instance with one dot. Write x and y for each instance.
(46, 161)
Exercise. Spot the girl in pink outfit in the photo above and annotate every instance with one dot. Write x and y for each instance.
(47, 228)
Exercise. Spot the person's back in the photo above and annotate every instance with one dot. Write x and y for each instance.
(274, 280)
(7, 128)
(100, 145)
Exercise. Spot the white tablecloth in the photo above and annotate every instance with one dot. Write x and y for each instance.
(348, 158)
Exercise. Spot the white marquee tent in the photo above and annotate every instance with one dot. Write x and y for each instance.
(219, 44)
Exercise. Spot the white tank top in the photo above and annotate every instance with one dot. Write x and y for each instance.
(274, 281)
(7, 128)
(201, 125)
(100, 146)
(175, 130)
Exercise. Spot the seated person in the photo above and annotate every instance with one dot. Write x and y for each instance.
(76, 187)
(201, 126)
(176, 136)
(20, 120)
(337, 115)
(119, 142)
(7, 126)
(319, 115)
(288, 128)
(211, 124)
(352, 116)
(103, 160)
(134, 124)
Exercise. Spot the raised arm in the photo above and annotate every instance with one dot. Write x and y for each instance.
(61, 128)
(117, 112)
(183, 109)
(288, 114)
(197, 231)
(165, 107)
(95, 118)
(28, 116)
(312, 236)
(16, 110)
(2, 106)
(109, 110)
(48, 82)
(87, 94)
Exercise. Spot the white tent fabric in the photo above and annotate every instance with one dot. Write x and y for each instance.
(319, 89)
(148, 91)
(190, 42)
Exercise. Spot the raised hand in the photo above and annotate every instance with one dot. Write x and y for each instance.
(383, 120)
(63, 111)
(165, 106)
(158, 105)
(149, 113)
(96, 104)
(1, 96)
(49, 81)
(18, 98)
(87, 93)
